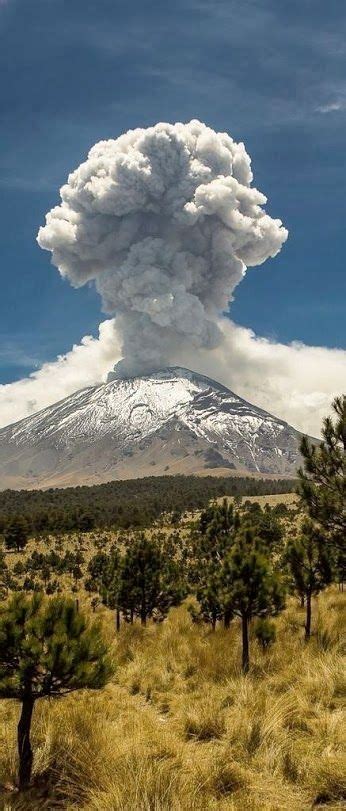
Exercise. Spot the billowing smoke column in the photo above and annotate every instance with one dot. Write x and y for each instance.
(165, 221)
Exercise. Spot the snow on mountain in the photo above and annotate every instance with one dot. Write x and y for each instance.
(168, 421)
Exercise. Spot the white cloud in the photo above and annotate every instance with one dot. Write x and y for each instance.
(295, 382)
(331, 107)
(85, 365)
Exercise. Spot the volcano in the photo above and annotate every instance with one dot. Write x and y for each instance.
(166, 422)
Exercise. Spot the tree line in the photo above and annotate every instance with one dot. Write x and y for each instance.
(123, 504)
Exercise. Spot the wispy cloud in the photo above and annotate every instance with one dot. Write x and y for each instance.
(331, 107)
(29, 184)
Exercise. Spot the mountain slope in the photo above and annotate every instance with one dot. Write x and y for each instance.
(173, 421)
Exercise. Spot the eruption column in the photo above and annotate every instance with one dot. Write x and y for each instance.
(165, 221)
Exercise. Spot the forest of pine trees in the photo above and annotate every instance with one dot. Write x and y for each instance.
(123, 504)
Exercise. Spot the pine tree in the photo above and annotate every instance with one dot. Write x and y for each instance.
(77, 574)
(16, 533)
(250, 586)
(269, 529)
(3, 573)
(150, 581)
(173, 580)
(209, 597)
(46, 649)
(265, 632)
(105, 577)
(322, 484)
(217, 521)
(210, 546)
(310, 566)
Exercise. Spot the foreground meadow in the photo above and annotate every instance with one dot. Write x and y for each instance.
(179, 727)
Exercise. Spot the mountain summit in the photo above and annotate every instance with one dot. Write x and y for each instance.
(168, 421)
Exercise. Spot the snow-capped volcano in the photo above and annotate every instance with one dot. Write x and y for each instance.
(168, 421)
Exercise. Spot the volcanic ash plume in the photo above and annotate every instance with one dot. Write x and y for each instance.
(164, 220)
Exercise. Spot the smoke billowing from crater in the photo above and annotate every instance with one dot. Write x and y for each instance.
(165, 221)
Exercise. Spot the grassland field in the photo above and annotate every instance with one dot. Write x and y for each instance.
(179, 728)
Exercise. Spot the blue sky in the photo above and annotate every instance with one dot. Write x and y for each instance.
(270, 72)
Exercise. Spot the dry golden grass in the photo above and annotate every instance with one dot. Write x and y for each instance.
(180, 729)
(290, 499)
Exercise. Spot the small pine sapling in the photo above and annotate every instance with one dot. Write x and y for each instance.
(47, 648)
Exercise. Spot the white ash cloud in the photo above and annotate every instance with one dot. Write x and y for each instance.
(165, 221)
